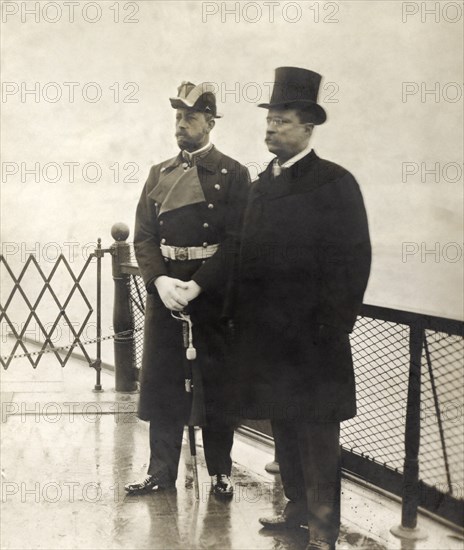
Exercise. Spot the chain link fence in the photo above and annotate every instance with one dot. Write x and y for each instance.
(137, 296)
(442, 407)
(381, 358)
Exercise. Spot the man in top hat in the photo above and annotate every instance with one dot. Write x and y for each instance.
(304, 265)
(186, 229)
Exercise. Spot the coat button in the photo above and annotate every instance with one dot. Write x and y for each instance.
(205, 244)
(203, 261)
(185, 165)
(217, 186)
(161, 222)
(163, 169)
(224, 171)
(210, 205)
(163, 241)
(206, 225)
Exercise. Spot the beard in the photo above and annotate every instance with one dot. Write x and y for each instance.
(190, 143)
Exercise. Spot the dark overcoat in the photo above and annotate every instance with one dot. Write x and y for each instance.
(202, 209)
(304, 264)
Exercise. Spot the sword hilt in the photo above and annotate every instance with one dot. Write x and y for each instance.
(187, 333)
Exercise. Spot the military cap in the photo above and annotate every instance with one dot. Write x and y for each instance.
(199, 98)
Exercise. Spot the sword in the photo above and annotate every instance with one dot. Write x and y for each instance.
(190, 356)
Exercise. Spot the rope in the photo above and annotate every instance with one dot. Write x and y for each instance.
(78, 343)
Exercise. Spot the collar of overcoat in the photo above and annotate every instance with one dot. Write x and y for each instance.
(301, 177)
(210, 161)
(174, 191)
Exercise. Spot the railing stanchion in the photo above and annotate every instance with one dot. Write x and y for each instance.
(273, 467)
(124, 344)
(97, 363)
(408, 528)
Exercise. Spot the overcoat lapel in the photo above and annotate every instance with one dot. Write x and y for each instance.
(177, 188)
(162, 187)
(184, 190)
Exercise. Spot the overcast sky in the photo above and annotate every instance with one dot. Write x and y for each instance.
(85, 112)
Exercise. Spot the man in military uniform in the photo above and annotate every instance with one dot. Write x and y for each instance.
(304, 265)
(187, 225)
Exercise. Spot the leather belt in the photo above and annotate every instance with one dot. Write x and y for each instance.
(183, 253)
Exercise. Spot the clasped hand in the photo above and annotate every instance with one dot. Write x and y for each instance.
(176, 294)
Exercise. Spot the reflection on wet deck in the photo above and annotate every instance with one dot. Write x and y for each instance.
(67, 454)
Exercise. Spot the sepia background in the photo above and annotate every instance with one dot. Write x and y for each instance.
(91, 88)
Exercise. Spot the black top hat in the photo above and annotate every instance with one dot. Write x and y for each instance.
(199, 98)
(295, 87)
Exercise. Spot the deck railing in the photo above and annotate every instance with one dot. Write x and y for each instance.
(407, 437)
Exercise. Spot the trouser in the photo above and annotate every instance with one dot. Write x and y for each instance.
(166, 443)
(310, 468)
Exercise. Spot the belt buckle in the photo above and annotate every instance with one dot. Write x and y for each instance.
(181, 253)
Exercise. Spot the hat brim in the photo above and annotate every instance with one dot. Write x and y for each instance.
(320, 116)
(178, 103)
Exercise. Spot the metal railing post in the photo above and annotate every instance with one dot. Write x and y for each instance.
(273, 467)
(124, 344)
(410, 494)
(97, 363)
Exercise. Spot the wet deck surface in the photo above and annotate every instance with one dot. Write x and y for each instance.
(67, 453)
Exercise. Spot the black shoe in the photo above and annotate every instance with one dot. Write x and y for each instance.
(282, 522)
(221, 486)
(148, 485)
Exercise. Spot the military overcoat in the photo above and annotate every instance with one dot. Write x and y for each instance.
(304, 262)
(201, 209)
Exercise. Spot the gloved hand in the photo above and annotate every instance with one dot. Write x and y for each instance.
(192, 291)
(167, 288)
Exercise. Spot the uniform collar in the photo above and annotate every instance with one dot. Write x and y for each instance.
(194, 156)
(210, 160)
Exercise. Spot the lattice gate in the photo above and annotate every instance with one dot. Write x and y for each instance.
(32, 302)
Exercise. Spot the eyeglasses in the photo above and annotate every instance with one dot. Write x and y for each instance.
(279, 121)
